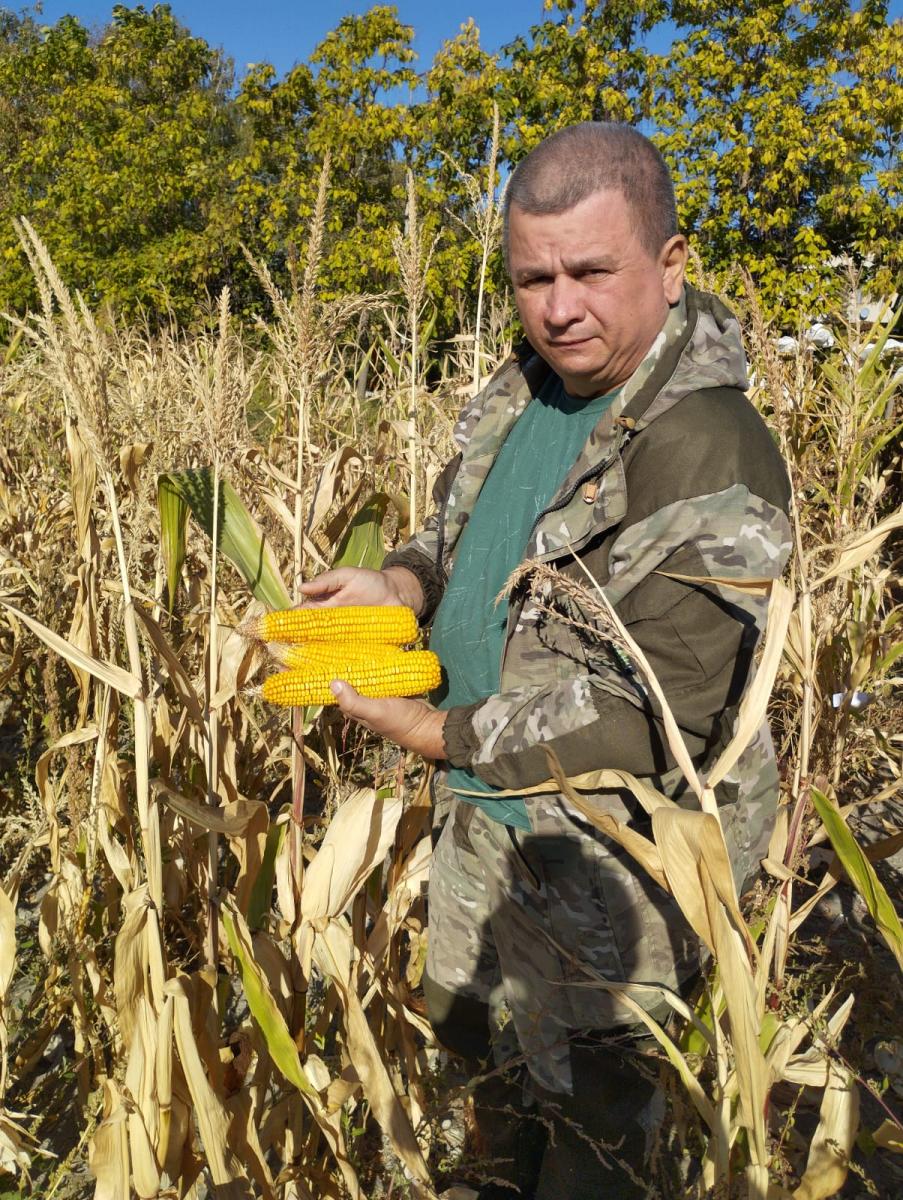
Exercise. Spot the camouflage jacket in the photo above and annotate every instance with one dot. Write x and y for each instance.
(680, 477)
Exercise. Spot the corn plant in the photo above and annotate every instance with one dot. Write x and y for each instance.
(216, 914)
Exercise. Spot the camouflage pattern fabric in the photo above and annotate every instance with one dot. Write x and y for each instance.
(533, 917)
(679, 478)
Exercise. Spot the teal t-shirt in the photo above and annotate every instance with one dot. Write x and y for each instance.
(468, 631)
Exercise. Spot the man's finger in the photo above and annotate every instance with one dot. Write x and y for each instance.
(380, 716)
(323, 583)
(351, 702)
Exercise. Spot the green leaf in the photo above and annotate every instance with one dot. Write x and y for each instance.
(362, 543)
(264, 1009)
(173, 533)
(241, 539)
(861, 873)
(262, 891)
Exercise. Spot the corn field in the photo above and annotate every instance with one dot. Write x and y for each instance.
(212, 914)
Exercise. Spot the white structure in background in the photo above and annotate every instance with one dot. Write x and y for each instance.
(865, 312)
(820, 336)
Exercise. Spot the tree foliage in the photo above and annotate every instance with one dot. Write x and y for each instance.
(116, 151)
(146, 169)
(783, 125)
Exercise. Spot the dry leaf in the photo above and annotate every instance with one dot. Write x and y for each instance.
(860, 548)
(829, 1154)
(357, 840)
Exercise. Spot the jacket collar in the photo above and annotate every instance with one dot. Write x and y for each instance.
(699, 346)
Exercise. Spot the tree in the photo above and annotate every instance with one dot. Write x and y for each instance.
(362, 63)
(449, 145)
(782, 122)
(117, 154)
(591, 64)
(273, 174)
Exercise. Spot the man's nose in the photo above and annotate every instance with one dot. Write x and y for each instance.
(565, 302)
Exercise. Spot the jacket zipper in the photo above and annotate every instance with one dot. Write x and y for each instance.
(598, 470)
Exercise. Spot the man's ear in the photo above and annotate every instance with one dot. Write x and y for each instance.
(673, 262)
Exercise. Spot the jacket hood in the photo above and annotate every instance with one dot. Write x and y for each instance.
(699, 347)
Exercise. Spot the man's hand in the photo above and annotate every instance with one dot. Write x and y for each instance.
(357, 585)
(411, 724)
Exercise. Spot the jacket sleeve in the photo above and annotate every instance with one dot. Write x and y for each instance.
(422, 553)
(593, 708)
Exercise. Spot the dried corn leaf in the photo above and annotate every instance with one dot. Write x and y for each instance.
(740, 998)
(889, 1136)
(124, 682)
(755, 701)
(329, 483)
(122, 866)
(698, 1098)
(226, 1171)
(176, 673)
(605, 778)
(137, 961)
(691, 846)
(674, 737)
(811, 1069)
(163, 1082)
(232, 820)
(829, 1153)
(143, 1124)
(641, 848)
(357, 840)
(108, 1150)
(333, 955)
(243, 1132)
(7, 968)
(861, 548)
(7, 944)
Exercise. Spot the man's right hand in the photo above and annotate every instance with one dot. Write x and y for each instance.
(357, 585)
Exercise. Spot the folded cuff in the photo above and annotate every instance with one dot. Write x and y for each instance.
(461, 742)
(425, 571)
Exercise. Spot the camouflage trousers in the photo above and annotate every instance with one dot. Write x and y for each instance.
(534, 923)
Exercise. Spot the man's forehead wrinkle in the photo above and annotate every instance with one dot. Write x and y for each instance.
(588, 261)
(572, 264)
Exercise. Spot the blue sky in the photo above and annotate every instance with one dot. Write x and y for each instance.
(283, 32)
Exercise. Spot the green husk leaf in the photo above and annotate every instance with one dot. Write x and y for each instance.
(174, 511)
(240, 538)
(263, 1007)
(362, 543)
(262, 891)
(861, 873)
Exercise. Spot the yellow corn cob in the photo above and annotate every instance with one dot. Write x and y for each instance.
(389, 672)
(332, 656)
(355, 623)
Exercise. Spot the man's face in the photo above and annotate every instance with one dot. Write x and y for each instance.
(590, 296)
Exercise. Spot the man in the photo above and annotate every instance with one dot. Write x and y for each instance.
(620, 436)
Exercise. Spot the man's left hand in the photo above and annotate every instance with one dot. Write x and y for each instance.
(411, 724)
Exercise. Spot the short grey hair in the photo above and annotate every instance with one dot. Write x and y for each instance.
(574, 163)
